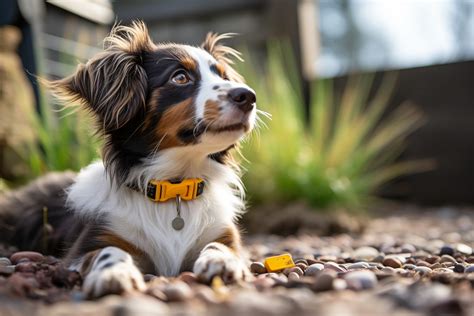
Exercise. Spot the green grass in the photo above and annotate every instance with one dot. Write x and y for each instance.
(65, 140)
(346, 154)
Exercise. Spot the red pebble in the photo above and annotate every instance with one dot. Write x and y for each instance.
(30, 255)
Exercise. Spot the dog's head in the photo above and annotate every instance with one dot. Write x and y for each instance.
(152, 97)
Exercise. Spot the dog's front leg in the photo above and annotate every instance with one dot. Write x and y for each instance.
(110, 270)
(222, 258)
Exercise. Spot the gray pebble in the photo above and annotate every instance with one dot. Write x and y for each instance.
(447, 250)
(5, 261)
(258, 268)
(177, 291)
(7, 270)
(333, 266)
(469, 269)
(324, 281)
(361, 280)
(408, 248)
(409, 266)
(464, 249)
(365, 253)
(423, 270)
(313, 269)
(358, 265)
(293, 276)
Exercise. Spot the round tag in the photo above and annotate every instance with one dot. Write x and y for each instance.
(177, 223)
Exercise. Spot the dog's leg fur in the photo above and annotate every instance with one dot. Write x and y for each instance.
(222, 258)
(107, 263)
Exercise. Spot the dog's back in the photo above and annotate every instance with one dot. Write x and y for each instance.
(35, 217)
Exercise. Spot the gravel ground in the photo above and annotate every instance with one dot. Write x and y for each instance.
(407, 262)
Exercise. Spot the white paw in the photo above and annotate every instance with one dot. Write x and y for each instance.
(219, 262)
(114, 275)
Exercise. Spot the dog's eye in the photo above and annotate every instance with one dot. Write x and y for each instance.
(180, 77)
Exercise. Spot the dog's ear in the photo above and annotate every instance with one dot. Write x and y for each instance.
(223, 54)
(113, 84)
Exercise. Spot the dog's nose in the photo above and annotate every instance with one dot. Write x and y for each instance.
(243, 98)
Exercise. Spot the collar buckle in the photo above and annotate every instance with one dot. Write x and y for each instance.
(187, 189)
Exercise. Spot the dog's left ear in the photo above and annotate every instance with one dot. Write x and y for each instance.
(113, 84)
(223, 54)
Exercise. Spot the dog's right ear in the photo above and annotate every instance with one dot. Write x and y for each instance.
(113, 84)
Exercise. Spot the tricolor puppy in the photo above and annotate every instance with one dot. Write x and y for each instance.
(167, 194)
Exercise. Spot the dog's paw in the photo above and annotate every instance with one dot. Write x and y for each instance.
(113, 272)
(218, 260)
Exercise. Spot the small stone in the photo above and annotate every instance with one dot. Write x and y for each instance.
(379, 258)
(409, 266)
(464, 249)
(302, 266)
(333, 266)
(459, 268)
(365, 253)
(263, 283)
(423, 270)
(324, 281)
(7, 270)
(293, 276)
(422, 263)
(5, 261)
(358, 265)
(447, 258)
(470, 259)
(360, 280)
(296, 270)
(30, 255)
(258, 268)
(303, 261)
(26, 267)
(392, 262)
(188, 277)
(177, 291)
(432, 259)
(313, 269)
(436, 265)
(388, 270)
(469, 269)
(408, 248)
(446, 250)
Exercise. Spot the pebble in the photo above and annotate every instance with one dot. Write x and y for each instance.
(392, 262)
(293, 276)
(358, 265)
(408, 248)
(365, 253)
(258, 268)
(333, 266)
(324, 281)
(313, 269)
(409, 266)
(432, 259)
(422, 263)
(7, 270)
(177, 291)
(459, 268)
(296, 270)
(447, 258)
(29, 255)
(26, 267)
(464, 249)
(423, 270)
(188, 277)
(5, 261)
(378, 258)
(469, 269)
(446, 250)
(360, 280)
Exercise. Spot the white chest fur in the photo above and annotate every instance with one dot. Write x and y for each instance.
(147, 224)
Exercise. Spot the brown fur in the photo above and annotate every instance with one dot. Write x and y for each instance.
(211, 111)
(173, 120)
(231, 238)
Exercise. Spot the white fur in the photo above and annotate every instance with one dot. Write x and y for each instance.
(121, 274)
(147, 224)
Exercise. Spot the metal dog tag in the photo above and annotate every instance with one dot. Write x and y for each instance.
(178, 221)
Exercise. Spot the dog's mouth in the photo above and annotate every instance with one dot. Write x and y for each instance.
(229, 128)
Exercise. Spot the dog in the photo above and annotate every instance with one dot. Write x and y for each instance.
(167, 194)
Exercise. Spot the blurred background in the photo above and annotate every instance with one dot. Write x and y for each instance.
(369, 99)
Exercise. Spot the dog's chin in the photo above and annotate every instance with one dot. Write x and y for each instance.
(231, 128)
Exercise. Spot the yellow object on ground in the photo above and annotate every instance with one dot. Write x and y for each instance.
(277, 263)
